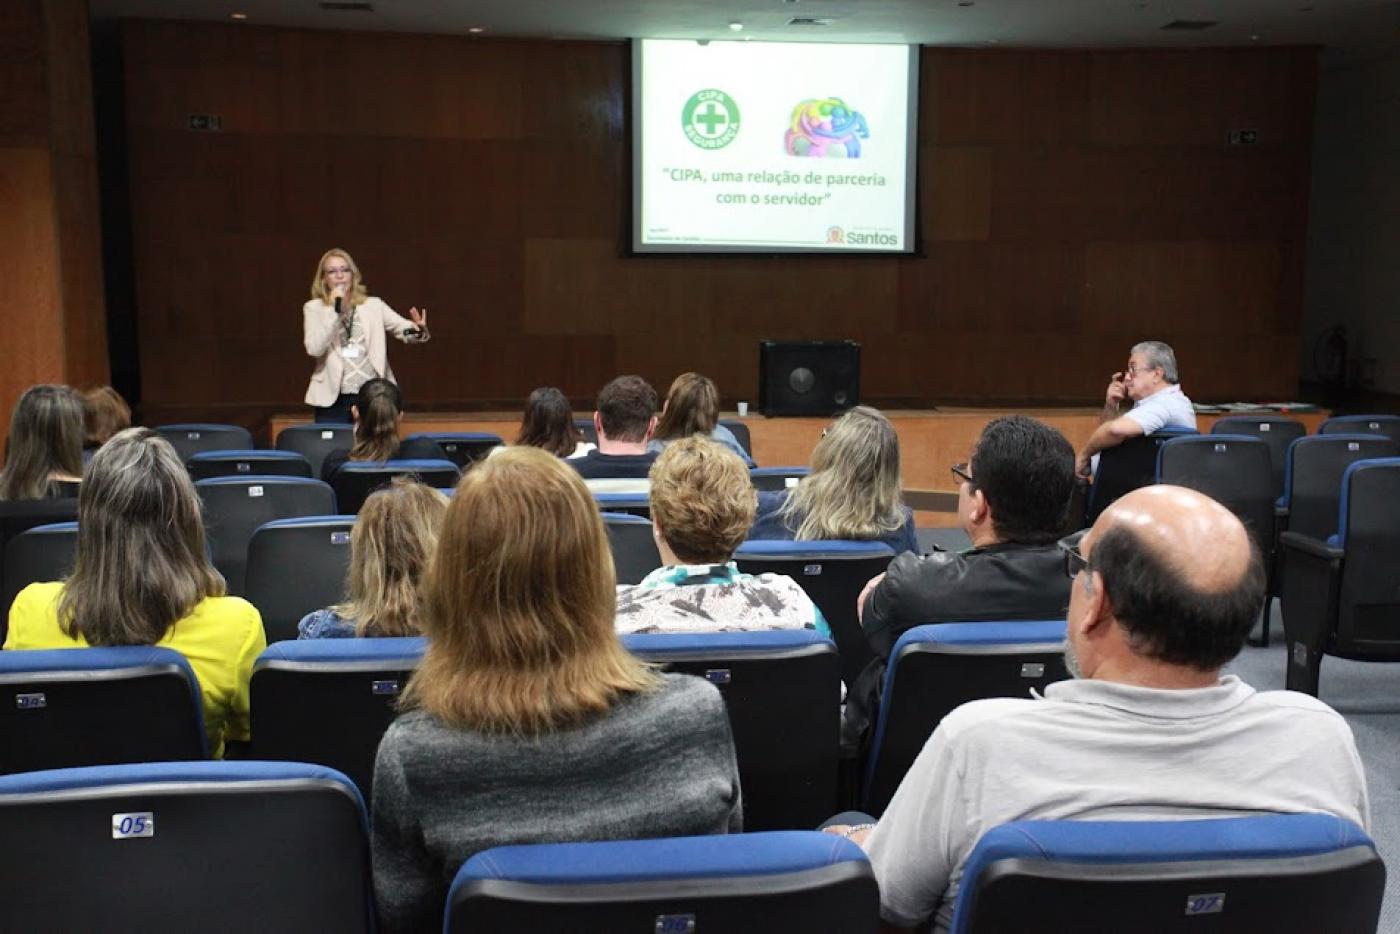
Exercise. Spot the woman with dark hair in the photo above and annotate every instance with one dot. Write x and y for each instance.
(105, 413)
(377, 412)
(548, 423)
(527, 721)
(692, 408)
(45, 458)
(142, 577)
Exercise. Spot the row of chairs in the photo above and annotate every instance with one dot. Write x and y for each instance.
(269, 821)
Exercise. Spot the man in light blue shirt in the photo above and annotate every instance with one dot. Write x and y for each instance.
(1153, 385)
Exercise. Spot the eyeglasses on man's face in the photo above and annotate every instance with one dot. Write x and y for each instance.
(962, 471)
(1074, 558)
(1134, 369)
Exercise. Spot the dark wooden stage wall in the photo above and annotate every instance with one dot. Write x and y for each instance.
(1071, 203)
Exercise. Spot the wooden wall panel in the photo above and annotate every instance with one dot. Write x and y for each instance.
(1070, 204)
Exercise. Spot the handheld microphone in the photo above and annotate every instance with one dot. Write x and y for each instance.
(337, 304)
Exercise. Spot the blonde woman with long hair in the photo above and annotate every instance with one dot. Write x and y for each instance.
(45, 445)
(142, 577)
(527, 721)
(395, 533)
(852, 493)
(343, 328)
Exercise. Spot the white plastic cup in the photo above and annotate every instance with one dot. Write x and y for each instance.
(743, 409)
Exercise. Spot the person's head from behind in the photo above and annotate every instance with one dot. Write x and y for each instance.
(853, 491)
(337, 270)
(702, 501)
(548, 423)
(1022, 475)
(395, 533)
(376, 412)
(141, 563)
(692, 407)
(1151, 368)
(105, 413)
(626, 412)
(518, 603)
(45, 442)
(1167, 585)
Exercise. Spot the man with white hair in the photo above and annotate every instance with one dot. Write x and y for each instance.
(1152, 383)
(1165, 587)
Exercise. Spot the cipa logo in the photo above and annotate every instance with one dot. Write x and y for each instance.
(835, 235)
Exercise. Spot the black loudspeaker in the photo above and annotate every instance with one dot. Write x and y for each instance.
(808, 377)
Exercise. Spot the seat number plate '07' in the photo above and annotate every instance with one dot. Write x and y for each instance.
(131, 826)
(1212, 904)
(675, 924)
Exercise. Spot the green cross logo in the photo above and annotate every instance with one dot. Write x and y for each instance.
(710, 119)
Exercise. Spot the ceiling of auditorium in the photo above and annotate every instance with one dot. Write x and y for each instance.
(1356, 26)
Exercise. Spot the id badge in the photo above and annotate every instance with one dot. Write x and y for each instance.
(352, 351)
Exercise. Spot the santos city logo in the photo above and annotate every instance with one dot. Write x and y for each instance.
(710, 119)
(860, 238)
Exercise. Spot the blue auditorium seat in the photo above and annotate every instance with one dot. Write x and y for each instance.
(356, 480)
(40, 553)
(236, 506)
(633, 545)
(209, 464)
(190, 439)
(463, 448)
(316, 441)
(777, 478)
(296, 566)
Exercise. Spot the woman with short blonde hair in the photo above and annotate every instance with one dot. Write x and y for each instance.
(45, 458)
(395, 533)
(527, 721)
(142, 577)
(692, 408)
(853, 491)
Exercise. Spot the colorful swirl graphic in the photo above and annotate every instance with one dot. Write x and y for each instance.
(826, 129)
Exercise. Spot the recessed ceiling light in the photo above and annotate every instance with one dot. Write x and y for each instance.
(238, 16)
(476, 30)
(1254, 37)
(736, 26)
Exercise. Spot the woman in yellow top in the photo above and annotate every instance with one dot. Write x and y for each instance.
(142, 577)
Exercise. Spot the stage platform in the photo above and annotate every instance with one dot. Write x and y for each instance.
(930, 440)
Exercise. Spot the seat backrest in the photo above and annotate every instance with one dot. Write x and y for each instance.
(833, 574)
(1282, 873)
(1313, 477)
(316, 440)
(632, 504)
(746, 883)
(234, 507)
(1276, 431)
(296, 566)
(356, 480)
(740, 429)
(1126, 467)
(1368, 609)
(634, 550)
(92, 706)
(22, 515)
(1234, 470)
(938, 667)
(42, 553)
(782, 693)
(772, 479)
(209, 464)
(1388, 425)
(329, 701)
(252, 846)
(463, 448)
(191, 439)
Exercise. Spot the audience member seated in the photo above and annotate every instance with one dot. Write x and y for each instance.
(691, 408)
(394, 536)
(548, 423)
(1166, 586)
(105, 413)
(45, 446)
(1012, 498)
(625, 420)
(142, 577)
(527, 721)
(702, 504)
(376, 414)
(1152, 383)
(853, 491)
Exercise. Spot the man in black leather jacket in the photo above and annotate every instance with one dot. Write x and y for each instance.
(1012, 500)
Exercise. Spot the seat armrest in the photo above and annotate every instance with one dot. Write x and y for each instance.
(1311, 546)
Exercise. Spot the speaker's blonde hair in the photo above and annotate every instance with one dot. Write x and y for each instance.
(853, 491)
(395, 534)
(358, 292)
(519, 601)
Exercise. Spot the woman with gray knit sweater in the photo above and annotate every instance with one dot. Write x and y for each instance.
(527, 722)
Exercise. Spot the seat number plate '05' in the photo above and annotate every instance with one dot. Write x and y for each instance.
(1212, 904)
(131, 826)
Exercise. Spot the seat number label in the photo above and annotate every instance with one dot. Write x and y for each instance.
(1212, 904)
(131, 826)
(254, 490)
(675, 924)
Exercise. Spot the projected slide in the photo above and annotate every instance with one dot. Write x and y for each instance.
(761, 146)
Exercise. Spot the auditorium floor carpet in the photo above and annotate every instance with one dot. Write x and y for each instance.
(1366, 694)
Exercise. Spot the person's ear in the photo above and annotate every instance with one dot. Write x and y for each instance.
(1097, 608)
(651, 428)
(597, 424)
(978, 510)
(354, 413)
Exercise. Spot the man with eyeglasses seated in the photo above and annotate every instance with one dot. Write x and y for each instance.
(1166, 586)
(1012, 500)
(1154, 386)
